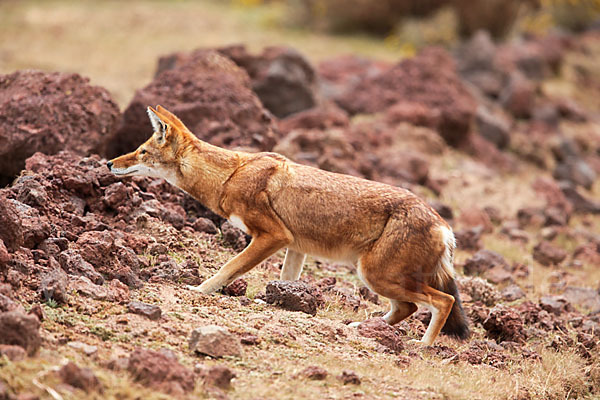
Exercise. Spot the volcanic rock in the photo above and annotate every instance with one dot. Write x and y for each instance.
(349, 377)
(213, 98)
(150, 311)
(548, 254)
(54, 285)
(504, 324)
(214, 341)
(218, 376)
(383, 333)
(294, 296)
(429, 79)
(81, 378)
(19, 329)
(13, 353)
(205, 225)
(283, 79)
(236, 288)
(555, 304)
(483, 261)
(587, 298)
(314, 373)
(161, 371)
(48, 112)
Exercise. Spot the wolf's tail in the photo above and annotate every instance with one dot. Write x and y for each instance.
(456, 324)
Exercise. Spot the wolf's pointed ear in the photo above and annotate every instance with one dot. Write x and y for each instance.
(160, 128)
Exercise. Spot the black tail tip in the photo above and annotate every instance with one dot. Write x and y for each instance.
(459, 331)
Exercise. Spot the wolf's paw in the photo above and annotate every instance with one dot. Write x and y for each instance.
(418, 342)
(354, 324)
(200, 289)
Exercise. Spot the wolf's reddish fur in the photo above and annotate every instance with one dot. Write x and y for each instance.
(402, 248)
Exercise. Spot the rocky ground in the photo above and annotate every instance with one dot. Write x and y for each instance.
(503, 140)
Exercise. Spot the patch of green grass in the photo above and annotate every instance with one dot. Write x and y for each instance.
(103, 333)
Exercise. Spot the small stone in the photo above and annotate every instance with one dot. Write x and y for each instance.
(367, 294)
(547, 254)
(151, 311)
(214, 341)
(37, 311)
(349, 377)
(482, 261)
(383, 333)
(314, 373)
(157, 248)
(218, 376)
(87, 349)
(205, 225)
(512, 293)
(13, 353)
(53, 286)
(250, 339)
(294, 296)
(81, 378)
(555, 304)
(236, 288)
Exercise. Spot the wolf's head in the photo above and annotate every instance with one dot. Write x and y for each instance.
(159, 156)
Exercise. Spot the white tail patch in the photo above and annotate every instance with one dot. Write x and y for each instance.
(445, 267)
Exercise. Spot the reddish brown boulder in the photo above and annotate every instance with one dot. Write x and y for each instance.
(80, 378)
(161, 371)
(429, 79)
(48, 112)
(19, 329)
(340, 75)
(548, 254)
(383, 333)
(283, 79)
(294, 296)
(322, 118)
(211, 95)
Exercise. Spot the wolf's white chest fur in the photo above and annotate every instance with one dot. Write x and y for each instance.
(238, 223)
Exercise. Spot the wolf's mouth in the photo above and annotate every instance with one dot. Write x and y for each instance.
(121, 173)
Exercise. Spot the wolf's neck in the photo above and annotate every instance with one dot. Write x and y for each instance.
(204, 169)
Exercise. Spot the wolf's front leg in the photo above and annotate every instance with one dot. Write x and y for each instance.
(259, 249)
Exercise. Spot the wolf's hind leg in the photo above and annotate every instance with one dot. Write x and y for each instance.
(399, 311)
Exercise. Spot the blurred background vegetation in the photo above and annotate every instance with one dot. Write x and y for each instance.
(116, 43)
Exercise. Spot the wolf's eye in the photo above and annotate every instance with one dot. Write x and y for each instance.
(143, 152)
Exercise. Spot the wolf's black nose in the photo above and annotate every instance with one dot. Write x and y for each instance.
(109, 164)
